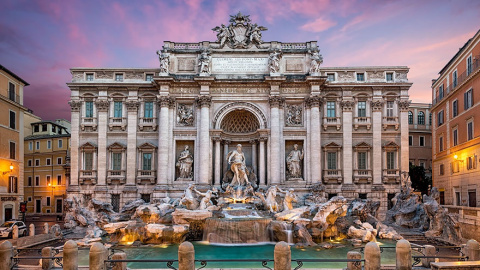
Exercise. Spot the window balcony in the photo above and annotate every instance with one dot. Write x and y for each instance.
(150, 122)
(146, 176)
(391, 176)
(362, 121)
(332, 122)
(116, 176)
(89, 122)
(120, 122)
(390, 121)
(332, 176)
(362, 176)
(88, 177)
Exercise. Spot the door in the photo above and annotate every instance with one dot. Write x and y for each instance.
(472, 198)
(59, 206)
(38, 206)
(8, 214)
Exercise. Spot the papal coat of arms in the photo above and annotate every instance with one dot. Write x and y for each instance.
(240, 33)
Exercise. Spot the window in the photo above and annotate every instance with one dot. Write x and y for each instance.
(117, 109)
(119, 77)
(442, 169)
(48, 201)
(54, 128)
(59, 206)
(145, 198)
(59, 179)
(362, 196)
(360, 77)
(331, 77)
(331, 109)
(471, 162)
(332, 160)
(49, 144)
(89, 109)
(44, 127)
(422, 164)
(13, 122)
(29, 199)
(29, 182)
(421, 141)
(48, 178)
(59, 161)
(455, 108)
(30, 163)
(390, 197)
(455, 166)
(116, 161)
(13, 150)
(37, 145)
(60, 143)
(48, 162)
(36, 128)
(149, 77)
(469, 65)
(115, 202)
(390, 109)
(147, 162)
(88, 161)
(148, 111)
(440, 118)
(421, 118)
(37, 162)
(362, 160)
(440, 144)
(430, 119)
(12, 184)
(30, 146)
(469, 130)
(455, 137)
(410, 140)
(410, 118)
(458, 197)
(362, 109)
(440, 91)
(37, 180)
(89, 77)
(11, 91)
(389, 76)
(454, 79)
(390, 160)
(472, 198)
(468, 99)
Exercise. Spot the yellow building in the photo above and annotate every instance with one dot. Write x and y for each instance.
(46, 169)
(11, 146)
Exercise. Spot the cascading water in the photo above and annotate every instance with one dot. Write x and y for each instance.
(236, 231)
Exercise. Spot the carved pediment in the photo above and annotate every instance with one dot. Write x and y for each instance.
(147, 146)
(88, 146)
(362, 145)
(116, 146)
(332, 146)
(391, 146)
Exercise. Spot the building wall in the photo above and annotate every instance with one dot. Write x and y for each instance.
(420, 154)
(458, 177)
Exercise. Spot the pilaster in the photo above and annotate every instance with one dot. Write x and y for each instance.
(102, 107)
(275, 146)
(404, 105)
(377, 169)
(162, 169)
(347, 115)
(132, 111)
(204, 102)
(75, 105)
(314, 103)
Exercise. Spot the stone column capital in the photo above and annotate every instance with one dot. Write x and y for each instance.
(165, 101)
(226, 141)
(216, 139)
(204, 100)
(102, 105)
(75, 105)
(404, 105)
(377, 105)
(347, 105)
(314, 101)
(262, 139)
(275, 101)
(132, 105)
(253, 141)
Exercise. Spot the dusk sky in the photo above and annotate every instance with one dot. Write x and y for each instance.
(41, 40)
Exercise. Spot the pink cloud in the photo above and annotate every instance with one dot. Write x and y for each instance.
(319, 25)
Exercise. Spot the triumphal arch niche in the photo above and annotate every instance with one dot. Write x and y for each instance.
(296, 122)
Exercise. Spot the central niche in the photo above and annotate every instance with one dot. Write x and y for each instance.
(240, 121)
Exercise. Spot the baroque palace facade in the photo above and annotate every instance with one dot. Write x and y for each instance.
(145, 133)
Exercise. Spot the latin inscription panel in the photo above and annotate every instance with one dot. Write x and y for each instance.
(229, 65)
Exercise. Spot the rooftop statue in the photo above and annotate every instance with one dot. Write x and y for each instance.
(240, 33)
(164, 59)
(204, 63)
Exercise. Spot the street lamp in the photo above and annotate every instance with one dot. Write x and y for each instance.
(11, 169)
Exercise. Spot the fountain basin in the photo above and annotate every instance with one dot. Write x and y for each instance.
(236, 230)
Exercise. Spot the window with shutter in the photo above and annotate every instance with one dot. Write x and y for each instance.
(89, 109)
(117, 109)
(332, 160)
(88, 161)
(148, 110)
(13, 122)
(116, 161)
(147, 161)
(362, 160)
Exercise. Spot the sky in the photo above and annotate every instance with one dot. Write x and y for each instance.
(41, 40)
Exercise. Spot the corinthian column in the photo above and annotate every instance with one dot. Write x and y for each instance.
(163, 123)
(218, 170)
(275, 145)
(204, 147)
(404, 105)
(132, 110)
(261, 171)
(315, 139)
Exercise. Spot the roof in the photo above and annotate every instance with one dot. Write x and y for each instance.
(13, 75)
(38, 137)
(458, 53)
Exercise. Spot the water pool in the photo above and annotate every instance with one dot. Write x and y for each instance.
(206, 251)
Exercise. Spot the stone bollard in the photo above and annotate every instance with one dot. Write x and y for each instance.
(119, 265)
(472, 250)
(47, 264)
(31, 230)
(372, 256)
(404, 255)
(6, 255)
(282, 256)
(186, 256)
(429, 251)
(97, 256)
(354, 255)
(45, 228)
(70, 255)
(15, 232)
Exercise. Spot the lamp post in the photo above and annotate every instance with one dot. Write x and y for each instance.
(11, 169)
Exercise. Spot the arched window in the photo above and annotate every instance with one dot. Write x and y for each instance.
(410, 118)
(421, 118)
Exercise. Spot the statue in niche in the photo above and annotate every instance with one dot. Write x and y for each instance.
(188, 198)
(184, 115)
(184, 164)
(289, 199)
(237, 160)
(294, 115)
(274, 61)
(293, 162)
(204, 62)
(164, 58)
(317, 60)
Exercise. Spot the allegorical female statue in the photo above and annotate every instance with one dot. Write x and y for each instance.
(237, 160)
(293, 162)
(184, 163)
